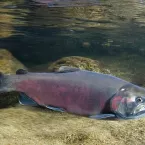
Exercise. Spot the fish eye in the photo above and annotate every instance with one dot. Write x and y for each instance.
(139, 99)
(123, 89)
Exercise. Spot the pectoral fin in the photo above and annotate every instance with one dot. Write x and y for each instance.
(25, 100)
(103, 116)
(55, 108)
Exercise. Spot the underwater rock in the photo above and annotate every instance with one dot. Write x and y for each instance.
(79, 62)
(8, 65)
(8, 99)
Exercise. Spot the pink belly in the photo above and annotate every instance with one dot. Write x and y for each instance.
(71, 97)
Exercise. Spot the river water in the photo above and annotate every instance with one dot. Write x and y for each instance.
(34, 35)
(113, 31)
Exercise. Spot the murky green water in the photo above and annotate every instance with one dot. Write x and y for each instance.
(112, 31)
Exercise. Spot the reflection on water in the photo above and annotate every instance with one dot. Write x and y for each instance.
(36, 35)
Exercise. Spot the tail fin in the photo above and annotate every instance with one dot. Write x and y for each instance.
(6, 83)
(2, 82)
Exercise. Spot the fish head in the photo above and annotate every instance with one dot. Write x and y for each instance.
(129, 102)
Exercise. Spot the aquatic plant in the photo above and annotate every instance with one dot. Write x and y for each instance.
(8, 99)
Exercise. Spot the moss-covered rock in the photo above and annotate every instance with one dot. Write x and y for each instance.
(8, 65)
(8, 99)
(79, 62)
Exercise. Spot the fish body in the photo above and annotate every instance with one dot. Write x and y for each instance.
(79, 92)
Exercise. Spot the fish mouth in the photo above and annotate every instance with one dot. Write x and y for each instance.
(139, 110)
(137, 113)
(119, 106)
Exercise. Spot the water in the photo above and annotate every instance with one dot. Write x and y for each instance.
(112, 32)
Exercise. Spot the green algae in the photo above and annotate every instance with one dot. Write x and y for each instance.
(79, 62)
(8, 63)
(8, 99)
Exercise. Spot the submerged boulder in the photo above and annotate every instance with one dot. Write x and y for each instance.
(8, 65)
(79, 62)
(8, 99)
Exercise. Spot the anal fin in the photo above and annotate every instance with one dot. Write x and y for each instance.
(103, 116)
(25, 100)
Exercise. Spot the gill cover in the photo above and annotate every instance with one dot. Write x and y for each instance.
(129, 102)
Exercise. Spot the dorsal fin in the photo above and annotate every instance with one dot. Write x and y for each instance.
(21, 71)
(65, 69)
